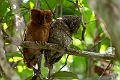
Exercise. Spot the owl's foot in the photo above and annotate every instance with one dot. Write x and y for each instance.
(40, 42)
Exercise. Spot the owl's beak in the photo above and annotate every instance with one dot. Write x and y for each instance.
(41, 22)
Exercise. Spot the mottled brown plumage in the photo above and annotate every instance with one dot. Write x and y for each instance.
(37, 31)
(60, 33)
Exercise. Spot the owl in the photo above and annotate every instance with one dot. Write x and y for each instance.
(36, 31)
(60, 33)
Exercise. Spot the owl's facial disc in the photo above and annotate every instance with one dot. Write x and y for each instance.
(40, 19)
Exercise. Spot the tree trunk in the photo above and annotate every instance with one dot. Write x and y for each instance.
(109, 13)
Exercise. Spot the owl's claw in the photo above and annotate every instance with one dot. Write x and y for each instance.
(44, 43)
(66, 48)
(38, 42)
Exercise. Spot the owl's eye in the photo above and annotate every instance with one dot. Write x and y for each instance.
(38, 16)
(73, 24)
(47, 16)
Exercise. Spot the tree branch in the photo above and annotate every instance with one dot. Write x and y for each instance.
(55, 47)
(70, 51)
(3, 74)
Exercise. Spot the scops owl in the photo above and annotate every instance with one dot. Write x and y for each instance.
(60, 33)
(36, 31)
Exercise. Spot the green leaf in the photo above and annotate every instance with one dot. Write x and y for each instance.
(64, 74)
(28, 78)
(8, 16)
(3, 8)
(84, 2)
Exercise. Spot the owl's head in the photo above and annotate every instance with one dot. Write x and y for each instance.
(37, 16)
(41, 16)
(73, 22)
(47, 16)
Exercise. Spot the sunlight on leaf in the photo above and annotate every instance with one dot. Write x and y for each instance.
(92, 16)
(2, 79)
(8, 9)
(63, 59)
(11, 60)
(102, 49)
(31, 5)
(85, 8)
(76, 41)
(70, 58)
(15, 59)
(24, 67)
(88, 40)
(20, 68)
(74, 79)
(6, 43)
(5, 26)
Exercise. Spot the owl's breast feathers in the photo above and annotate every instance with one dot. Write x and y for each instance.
(37, 32)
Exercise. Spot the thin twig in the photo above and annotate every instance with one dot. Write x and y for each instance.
(105, 70)
(83, 31)
(61, 8)
(111, 62)
(50, 9)
(96, 44)
(90, 21)
(38, 4)
(65, 63)
(81, 16)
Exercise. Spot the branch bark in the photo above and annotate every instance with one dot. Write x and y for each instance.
(70, 51)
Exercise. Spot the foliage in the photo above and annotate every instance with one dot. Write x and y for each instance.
(77, 65)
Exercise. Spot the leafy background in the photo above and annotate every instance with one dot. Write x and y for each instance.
(77, 65)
